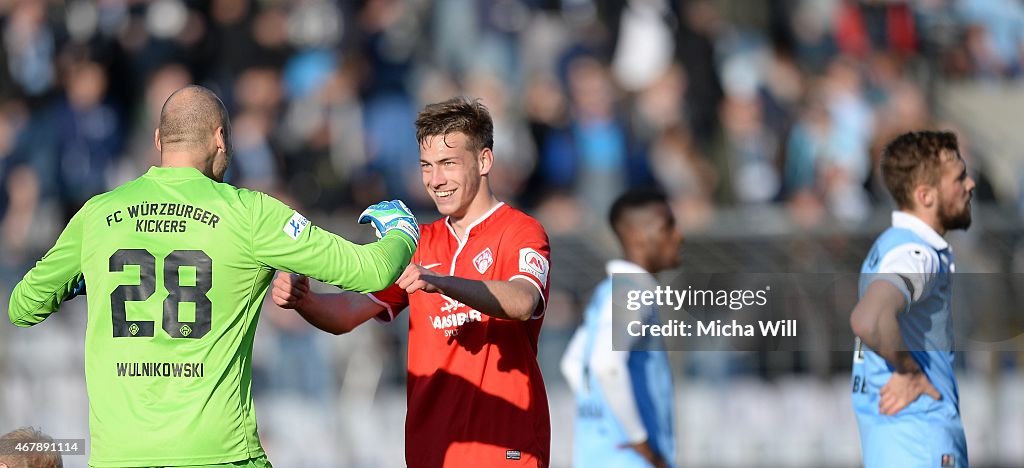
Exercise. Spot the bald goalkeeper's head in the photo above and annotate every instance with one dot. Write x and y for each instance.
(195, 132)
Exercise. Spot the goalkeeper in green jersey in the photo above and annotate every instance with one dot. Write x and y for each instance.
(177, 264)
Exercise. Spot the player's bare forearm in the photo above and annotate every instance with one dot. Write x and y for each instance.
(338, 313)
(874, 321)
(333, 313)
(514, 300)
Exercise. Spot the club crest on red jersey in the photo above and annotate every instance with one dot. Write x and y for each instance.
(483, 260)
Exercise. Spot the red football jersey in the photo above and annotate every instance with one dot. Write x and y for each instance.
(476, 396)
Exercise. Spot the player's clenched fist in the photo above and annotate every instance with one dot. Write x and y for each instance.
(290, 290)
(388, 215)
(416, 278)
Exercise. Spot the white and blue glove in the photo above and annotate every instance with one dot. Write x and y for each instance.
(388, 215)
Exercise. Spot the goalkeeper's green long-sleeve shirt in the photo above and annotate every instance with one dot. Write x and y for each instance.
(177, 266)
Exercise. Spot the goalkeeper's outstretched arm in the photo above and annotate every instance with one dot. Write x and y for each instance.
(285, 240)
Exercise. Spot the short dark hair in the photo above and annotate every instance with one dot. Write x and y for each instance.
(632, 199)
(459, 114)
(35, 459)
(914, 158)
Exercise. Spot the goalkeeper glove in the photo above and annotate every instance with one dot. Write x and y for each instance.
(388, 215)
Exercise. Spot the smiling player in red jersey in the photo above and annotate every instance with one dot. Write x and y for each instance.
(476, 292)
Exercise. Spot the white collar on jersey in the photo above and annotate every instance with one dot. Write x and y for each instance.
(906, 220)
(448, 222)
(623, 266)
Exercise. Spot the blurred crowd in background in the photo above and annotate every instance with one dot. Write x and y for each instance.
(780, 105)
(719, 102)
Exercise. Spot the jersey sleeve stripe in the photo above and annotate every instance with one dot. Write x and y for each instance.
(379, 317)
(543, 303)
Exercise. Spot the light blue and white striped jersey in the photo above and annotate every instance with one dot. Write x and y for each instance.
(928, 432)
(605, 418)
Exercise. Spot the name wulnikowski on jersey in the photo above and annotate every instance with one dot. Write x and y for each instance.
(160, 369)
